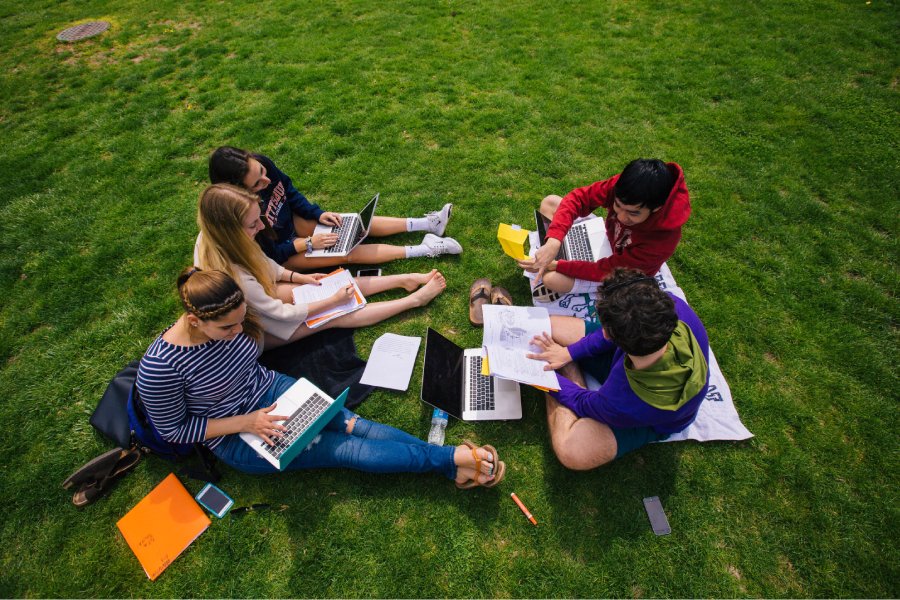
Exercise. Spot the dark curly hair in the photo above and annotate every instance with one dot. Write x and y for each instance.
(636, 315)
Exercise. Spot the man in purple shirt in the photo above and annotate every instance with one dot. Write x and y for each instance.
(651, 357)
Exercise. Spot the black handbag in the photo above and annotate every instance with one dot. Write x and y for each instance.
(111, 419)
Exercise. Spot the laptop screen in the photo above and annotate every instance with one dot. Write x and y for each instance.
(442, 377)
(367, 213)
(541, 222)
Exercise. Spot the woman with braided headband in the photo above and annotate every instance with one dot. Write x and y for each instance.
(199, 381)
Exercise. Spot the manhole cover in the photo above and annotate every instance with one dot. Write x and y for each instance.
(80, 32)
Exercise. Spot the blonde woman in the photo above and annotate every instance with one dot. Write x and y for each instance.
(229, 220)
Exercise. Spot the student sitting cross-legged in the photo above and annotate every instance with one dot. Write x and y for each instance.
(229, 220)
(646, 205)
(199, 381)
(293, 218)
(651, 357)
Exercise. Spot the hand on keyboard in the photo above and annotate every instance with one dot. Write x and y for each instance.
(262, 423)
(330, 218)
(324, 240)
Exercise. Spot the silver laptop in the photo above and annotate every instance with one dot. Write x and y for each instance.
(585, 241)
(452, 381)
(352, 231)
(308, 410)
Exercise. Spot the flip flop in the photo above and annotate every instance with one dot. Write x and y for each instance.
(501, 295)
(87, 494)
(499, 474)
(479, 295)
(93, 489)
(467, 485)
(499, 467)
(96, 468)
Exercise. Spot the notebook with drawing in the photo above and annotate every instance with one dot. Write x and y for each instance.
(308, 410)
(352, 231)
(585, 241)
(452, 381)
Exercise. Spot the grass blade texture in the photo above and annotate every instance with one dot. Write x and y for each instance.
(784, 116)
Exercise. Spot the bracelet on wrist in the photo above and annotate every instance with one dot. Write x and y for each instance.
(309, 246)
(291, 277)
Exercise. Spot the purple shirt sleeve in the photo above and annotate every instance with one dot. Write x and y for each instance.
(591, 345)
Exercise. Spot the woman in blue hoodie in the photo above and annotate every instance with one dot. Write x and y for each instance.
(292, 218)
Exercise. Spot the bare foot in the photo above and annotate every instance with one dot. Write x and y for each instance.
(464, 475)
(412, 281)
(430, 290)
(465, 464)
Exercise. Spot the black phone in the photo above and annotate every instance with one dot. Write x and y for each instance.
(658, 520)
(368, 273)
(215, 500)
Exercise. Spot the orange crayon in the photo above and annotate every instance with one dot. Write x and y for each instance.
(523, 509)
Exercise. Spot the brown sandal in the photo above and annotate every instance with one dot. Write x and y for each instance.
(501, 295)
(467, 485)
(479, 295)
(499, 467)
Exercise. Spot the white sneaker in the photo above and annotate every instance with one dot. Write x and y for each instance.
(437, 220)
(440, 245)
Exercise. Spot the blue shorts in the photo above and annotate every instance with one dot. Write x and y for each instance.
(627, 438)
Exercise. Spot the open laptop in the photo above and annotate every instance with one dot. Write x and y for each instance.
(353, 229)
(585, 241)
(452, 381)
(308, 410)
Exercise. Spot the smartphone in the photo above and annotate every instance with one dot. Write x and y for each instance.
(368, 273)
(658, 520)
(215, 500)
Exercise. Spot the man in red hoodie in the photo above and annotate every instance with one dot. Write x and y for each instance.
(646, 204)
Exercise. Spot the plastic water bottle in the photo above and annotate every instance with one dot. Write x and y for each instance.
(438, 426)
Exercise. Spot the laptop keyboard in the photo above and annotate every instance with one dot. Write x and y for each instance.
(297, 423)
(481, 388)
(347, 231)
(579, 245)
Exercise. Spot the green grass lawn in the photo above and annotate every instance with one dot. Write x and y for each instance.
(785, 119)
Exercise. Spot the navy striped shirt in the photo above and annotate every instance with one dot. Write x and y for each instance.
(181, 387)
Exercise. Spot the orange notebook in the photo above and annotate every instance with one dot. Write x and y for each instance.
(162, 525)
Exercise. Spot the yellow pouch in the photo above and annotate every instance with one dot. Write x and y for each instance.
(512, 240)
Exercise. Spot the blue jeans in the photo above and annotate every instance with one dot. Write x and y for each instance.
(371, 447)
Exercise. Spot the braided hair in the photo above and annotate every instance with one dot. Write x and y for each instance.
(210, 295)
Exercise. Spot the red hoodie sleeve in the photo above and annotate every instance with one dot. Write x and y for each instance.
(651, 243)
(646, 255)
(581, 202)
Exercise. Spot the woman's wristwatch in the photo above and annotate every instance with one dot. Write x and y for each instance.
(309, 246)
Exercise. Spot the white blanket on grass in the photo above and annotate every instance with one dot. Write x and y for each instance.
(717, 418)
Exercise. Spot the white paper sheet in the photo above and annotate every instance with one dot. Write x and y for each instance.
(391, 361)
(508, 331)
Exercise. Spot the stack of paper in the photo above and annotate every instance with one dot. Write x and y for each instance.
(305, 294)
(508, 331)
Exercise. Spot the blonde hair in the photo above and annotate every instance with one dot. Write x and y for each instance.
(223, 243)
(210, 295)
